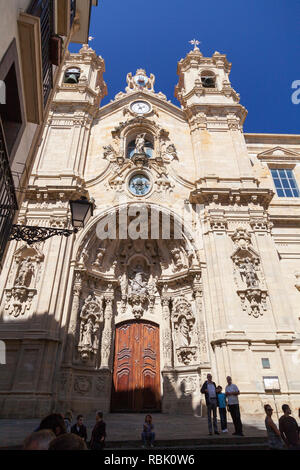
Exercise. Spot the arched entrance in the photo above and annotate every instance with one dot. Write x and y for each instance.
(137, 329)
(136, 371)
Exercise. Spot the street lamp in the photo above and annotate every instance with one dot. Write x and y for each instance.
(81, 211)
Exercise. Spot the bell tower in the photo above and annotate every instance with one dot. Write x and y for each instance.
(62, 153)
(215, 117)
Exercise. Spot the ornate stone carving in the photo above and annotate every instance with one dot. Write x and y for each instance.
(82, 384)
(248, 274)
(188, 385)
(24, 279)
(107, 330)
(91, 317)
(261, 224)
(183, 322)
(18, 301)
(139, 81)
(186, 355)
(137, 289)
(218, 223)
(138, 304)
(99, 257)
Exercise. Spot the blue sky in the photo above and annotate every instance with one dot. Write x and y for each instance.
(260, 37)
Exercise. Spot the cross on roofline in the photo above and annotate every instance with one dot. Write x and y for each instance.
(195, 43)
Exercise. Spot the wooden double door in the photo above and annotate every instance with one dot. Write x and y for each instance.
(136, 376)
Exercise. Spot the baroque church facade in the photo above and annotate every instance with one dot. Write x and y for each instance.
(205, 277)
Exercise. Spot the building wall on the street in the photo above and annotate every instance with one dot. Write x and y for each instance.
(9, 33)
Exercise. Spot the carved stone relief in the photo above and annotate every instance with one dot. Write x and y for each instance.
(91, 317)
(248, 275)
(24, 279)
(82, 384)
(183, 322)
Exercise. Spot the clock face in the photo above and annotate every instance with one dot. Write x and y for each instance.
(140, 107)
(141, 80)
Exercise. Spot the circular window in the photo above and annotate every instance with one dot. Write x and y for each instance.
(139, 185)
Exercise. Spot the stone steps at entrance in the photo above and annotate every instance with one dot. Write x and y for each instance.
(209, 443)
(124, 431)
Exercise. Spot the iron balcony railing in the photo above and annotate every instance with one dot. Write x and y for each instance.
(8, 201)
(44, 10)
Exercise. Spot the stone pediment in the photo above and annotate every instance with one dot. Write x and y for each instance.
(279, 154)
(156, 100)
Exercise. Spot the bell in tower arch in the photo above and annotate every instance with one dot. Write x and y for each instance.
(72, 75)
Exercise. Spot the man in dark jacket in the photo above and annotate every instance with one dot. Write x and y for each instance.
(289, 429)
(79, 428)
(209, 389)
(98, 433)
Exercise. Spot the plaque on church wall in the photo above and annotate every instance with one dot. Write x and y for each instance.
(271, 383)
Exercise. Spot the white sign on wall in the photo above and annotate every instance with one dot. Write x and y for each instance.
(271, 383)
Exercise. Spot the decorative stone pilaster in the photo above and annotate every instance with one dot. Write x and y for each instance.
(201, 322)
(107, 330)
(166, 332)
(73, 319)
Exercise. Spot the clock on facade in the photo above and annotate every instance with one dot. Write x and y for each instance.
(140, 107)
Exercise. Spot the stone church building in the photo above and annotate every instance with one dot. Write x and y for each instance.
(190, 263)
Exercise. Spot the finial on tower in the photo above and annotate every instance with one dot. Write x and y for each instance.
(195, 43)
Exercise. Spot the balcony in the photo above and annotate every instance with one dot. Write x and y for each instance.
(43, 9)
(8, 201)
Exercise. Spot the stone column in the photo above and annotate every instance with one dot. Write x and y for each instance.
(201, 322)
(107, 336)
(166, 333)
(77, 286)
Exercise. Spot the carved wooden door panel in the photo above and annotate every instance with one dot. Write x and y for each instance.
(136, 377)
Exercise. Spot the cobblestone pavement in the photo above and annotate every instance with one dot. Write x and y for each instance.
(128, 427)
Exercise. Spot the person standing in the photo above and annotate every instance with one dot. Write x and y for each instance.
(222, 408)
(289, 429)
(68, 420)
(98, 433)
(274, 437)
(210, 392)
(232, 393)
(79, 428)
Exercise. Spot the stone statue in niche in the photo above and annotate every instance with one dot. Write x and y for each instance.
(99, 257)
(183, 322)
(84, 256)
(140, 143)
(86, 340)
(137, 281)
(183, 332)
(91, 316)
(25, 272)
(23, 281)
(179, 259)
(248, 273)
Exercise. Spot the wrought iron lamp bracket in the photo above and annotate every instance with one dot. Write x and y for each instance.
(32, 234)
